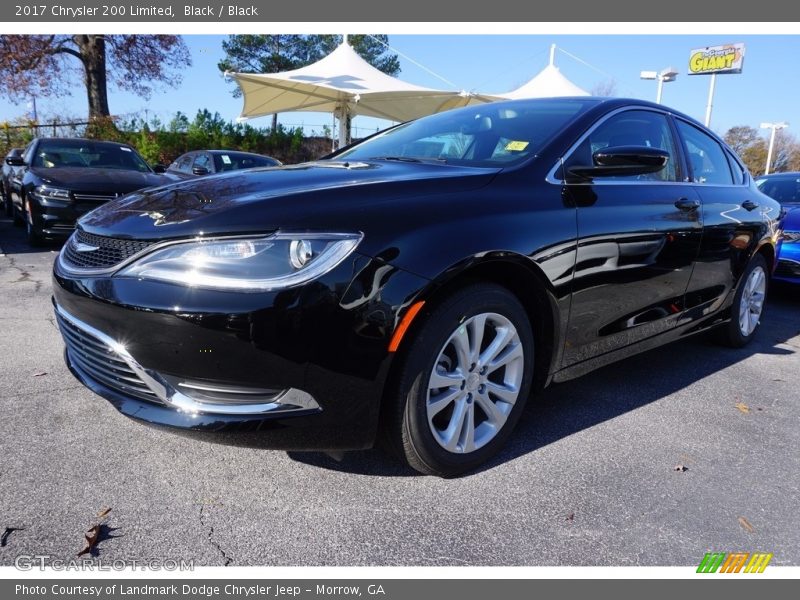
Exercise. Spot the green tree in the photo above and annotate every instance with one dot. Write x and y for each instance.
(276, 53)
(372, 48)
(41, 65)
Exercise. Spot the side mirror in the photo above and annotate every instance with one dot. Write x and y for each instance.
(623, 160)
(200, 170)
(15, 161)
(159, 169)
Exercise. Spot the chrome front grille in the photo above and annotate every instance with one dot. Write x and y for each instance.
(97, 357)
(96, 252)
(100, 362)
(94, 197)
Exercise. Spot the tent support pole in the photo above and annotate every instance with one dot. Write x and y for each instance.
(343, 114)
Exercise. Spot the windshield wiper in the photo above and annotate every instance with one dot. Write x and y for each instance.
(410, 159)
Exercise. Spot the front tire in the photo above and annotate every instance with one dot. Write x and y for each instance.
(17, 215)
(748, 305)
(464, 381)
(35, 237)
(6, 197)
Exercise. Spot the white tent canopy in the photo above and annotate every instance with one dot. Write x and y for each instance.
(549, 83)
(345, 84)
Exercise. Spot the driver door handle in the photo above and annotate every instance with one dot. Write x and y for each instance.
(686, 204)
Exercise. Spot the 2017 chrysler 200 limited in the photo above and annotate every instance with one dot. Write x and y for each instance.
(416, 287)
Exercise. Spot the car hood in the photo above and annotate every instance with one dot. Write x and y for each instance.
(87, 180)
(315, 195)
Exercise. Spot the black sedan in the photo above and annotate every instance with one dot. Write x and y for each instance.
(208, 162)
(8, 173)
(416, 287)
(60, 179)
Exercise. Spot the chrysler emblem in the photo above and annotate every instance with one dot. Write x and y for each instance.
(81, 247)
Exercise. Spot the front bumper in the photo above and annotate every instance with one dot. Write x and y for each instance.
(312, 359)
(788, 267)
(57, 221)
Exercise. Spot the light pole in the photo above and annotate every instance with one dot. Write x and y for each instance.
(774, 127)
(665, 76)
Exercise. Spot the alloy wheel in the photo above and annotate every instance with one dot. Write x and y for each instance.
(752, 301)
(475, 382)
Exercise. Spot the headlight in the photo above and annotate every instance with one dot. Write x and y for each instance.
(791, 236)
(52, 194)
(262, 264)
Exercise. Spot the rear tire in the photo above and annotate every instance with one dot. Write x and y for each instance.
(748, 305)
(463, 382)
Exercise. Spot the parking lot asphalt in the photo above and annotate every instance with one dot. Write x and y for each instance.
(589, 478)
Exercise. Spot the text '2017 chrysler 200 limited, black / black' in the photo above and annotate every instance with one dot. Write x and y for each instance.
(417, 286)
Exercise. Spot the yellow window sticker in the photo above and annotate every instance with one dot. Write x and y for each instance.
(516, 146)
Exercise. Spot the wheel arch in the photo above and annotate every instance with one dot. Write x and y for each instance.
(767, 250)
(520, 276)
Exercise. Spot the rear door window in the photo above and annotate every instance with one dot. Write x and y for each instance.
(706, 157)
(736, 168)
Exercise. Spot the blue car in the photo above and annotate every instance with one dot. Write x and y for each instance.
(785, 188)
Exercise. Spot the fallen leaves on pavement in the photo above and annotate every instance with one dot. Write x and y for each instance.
(743, 408)
(91, 536)
(96, 533)
(746, 525)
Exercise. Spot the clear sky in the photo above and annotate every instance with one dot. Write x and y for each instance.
(767, 90)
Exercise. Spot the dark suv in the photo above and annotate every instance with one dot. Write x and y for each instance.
(59, 180)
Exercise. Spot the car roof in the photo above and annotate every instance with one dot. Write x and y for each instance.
(83, 140)
(234, 152)
(604, 104)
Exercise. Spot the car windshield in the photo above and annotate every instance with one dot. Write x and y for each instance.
(87, 154)
(489, 135)
(785, 190)
(233, 161)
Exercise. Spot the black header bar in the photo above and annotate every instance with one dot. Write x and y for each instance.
(372, 11)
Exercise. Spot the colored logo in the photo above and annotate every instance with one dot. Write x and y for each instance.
(734, 562)
(716, 59)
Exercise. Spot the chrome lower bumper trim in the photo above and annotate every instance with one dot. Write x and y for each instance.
(283, 401)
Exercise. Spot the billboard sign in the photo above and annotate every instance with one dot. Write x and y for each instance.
(716, 59)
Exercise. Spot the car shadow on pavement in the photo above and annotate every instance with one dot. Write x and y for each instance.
(13, 241)
(567, 408)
